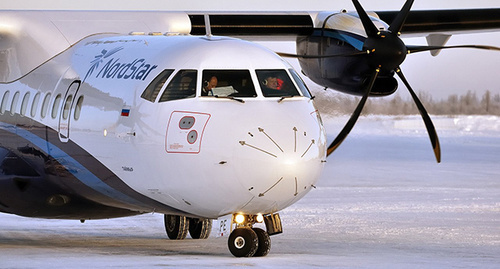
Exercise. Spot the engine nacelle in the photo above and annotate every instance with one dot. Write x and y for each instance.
(342, 33)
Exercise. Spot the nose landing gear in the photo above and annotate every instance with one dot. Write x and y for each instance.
(244, 240)
(248, 241)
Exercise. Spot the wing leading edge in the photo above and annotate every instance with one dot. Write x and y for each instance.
(418, 23)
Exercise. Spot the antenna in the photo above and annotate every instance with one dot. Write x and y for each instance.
(207, 26)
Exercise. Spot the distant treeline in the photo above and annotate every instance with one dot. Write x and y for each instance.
(467, 104)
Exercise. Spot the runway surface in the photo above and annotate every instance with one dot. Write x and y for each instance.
(382, 202)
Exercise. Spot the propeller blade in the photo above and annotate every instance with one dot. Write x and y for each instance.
(414, 49)
(400, 19)
(425, 116)
(290, 55)
(370, 28)
(354, 117)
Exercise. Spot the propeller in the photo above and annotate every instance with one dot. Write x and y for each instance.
(385, 52)
(414, 49)
(354, 117)
(425, 116)
(389, 52)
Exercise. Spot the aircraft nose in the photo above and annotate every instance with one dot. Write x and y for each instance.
(279, 164)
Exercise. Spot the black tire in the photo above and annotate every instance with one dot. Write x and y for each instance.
(264, 242)
(176, 226)
(200, 228)
(243, 242)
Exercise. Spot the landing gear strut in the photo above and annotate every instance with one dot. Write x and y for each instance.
(248, 241)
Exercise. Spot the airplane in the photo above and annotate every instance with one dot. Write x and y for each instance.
(113, 114)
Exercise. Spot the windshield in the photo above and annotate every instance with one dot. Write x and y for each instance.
(276, 83)
(227, 83)
(302, 86)
(182, 85)
(155, 86)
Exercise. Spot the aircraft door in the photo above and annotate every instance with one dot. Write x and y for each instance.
(67, 107)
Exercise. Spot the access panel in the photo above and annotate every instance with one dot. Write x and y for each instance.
(185, 132)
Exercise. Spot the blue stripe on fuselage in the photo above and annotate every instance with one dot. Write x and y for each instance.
(72, 165)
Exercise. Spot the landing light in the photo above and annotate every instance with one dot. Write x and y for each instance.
(240, 219)
(259, 218)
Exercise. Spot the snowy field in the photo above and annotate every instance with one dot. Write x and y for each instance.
(382, 202)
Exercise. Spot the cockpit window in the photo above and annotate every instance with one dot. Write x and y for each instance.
(276, 83)
(182, 85)
(155, 86)
(227, 83)
(302, 86)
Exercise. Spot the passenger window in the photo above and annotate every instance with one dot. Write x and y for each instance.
(13, 105)
(78, 108)
(67, 106)
(45, 105)
(5, 99)
(55, 106)
(182, 85)
(223, 83)
(24, 104)
(155, 86)
(34, 106)
(302, 86)
(276, 83)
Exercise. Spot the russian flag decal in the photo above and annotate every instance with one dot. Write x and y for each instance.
(125, 112)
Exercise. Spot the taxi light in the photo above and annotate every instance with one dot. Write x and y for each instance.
(240, 219)
(259, 218)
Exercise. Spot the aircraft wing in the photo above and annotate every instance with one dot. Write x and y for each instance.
(29, 38)
(279, 25)
(422, 22)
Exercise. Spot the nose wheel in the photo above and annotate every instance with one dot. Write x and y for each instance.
(248, 241)
(243, 242)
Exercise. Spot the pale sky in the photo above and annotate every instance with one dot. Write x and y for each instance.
(248, 5)
(453, 71)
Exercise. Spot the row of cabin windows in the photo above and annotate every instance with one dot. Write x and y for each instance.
(45, 105)
(229, 83)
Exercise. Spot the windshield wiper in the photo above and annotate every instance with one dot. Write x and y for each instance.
(285, 97)
(230, 98)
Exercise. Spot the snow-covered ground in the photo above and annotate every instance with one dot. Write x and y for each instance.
(383, 202)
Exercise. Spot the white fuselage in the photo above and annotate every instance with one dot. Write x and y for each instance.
(207, 156)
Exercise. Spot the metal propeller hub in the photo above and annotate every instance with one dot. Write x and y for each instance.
(387, 51)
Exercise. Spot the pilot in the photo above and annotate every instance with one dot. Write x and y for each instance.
(209, 85)
(273, 83)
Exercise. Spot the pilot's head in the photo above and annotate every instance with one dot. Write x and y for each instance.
(212, 83)
(272, 83)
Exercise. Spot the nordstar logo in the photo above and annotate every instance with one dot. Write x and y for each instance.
(137, 69)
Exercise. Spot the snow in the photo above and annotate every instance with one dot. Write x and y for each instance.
(382, 202)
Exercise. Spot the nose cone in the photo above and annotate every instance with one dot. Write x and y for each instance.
(279, 162)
